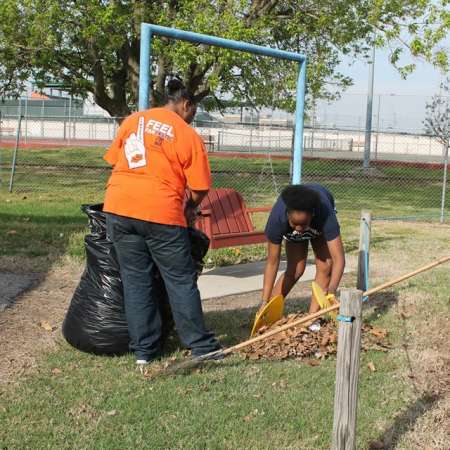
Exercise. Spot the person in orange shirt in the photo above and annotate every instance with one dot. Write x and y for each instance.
(155, 156)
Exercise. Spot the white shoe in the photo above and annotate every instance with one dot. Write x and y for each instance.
(141, 362)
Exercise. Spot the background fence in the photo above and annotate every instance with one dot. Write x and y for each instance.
(405, 180)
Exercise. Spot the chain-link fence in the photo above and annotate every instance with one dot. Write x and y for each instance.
(405, 178)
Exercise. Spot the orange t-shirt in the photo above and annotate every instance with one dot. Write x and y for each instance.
(155, 155)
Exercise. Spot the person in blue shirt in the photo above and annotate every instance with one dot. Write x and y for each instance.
(303, 213)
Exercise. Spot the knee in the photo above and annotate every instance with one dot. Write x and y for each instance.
(296, 272)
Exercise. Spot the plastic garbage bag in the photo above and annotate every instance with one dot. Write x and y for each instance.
(95, 321)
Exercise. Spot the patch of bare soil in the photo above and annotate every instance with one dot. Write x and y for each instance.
(31, 325)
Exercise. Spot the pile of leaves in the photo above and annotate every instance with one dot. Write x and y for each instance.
(310, 342)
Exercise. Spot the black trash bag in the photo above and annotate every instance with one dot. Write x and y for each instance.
(95, 321)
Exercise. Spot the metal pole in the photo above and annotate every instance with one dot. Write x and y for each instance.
(70, 118)
(299, 118)
(145, 73)
(362, 282)
(13, 167)
(42, 118)
(26, 118)
(378, 127)
(444, 184)
(368, 135)
(65, 116)
(313, 125)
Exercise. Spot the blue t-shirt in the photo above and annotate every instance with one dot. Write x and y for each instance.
(324, 223)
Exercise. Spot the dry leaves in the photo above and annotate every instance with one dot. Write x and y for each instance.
(252, 415)
(46, 325)
(312, 346)
(379, 332)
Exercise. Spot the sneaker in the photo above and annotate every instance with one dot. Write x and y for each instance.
(141, 362)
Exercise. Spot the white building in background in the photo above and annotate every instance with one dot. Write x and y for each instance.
(90, 108)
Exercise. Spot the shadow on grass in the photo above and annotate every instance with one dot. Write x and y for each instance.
(30, 244)
(47, 237)
(381, 304)
(353, 244)
(405, 421)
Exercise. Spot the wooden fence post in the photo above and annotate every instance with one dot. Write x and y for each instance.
(347, 370)
(364, 248)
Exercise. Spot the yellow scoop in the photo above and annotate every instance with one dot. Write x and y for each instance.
(324, 301)
(271, 313)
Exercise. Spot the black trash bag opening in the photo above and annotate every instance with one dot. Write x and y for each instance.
(95, 321)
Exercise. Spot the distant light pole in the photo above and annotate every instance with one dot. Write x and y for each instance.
(378, 127)
(368, 134)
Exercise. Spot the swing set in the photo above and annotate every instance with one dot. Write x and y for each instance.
(224, 216)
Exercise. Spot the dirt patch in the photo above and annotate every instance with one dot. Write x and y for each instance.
(12, 285)
(31, 326)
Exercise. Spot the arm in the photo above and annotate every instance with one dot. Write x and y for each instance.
(198, 175)
(196, 198)
(271, 269)
(190, 209)
(338, 258)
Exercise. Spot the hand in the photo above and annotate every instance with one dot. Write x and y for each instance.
(190, 213)
(331, 298)
(331, 290)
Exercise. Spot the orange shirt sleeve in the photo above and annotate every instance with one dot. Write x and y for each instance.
(112, 154)
(196, 166)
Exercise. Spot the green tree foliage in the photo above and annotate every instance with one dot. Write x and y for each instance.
(93, 45)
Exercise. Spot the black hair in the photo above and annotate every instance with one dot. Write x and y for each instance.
(177, 91)
(298, 197)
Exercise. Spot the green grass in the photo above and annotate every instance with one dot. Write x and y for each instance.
(102, 403)
(235, 405)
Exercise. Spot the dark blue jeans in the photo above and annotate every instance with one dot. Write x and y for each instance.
(140, 246)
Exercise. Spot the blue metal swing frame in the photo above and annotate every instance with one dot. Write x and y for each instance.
(149, 30)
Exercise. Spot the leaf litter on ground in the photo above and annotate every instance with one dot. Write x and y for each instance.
(302, 343)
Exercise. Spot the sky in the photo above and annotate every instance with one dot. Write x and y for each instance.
(402, 102)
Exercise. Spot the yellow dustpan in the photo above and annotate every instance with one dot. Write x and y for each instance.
(324, 301)
(271, 313)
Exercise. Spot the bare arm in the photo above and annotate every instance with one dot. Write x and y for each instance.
(271, 269)
(338, 258)
(196, 198)
(191, 205)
